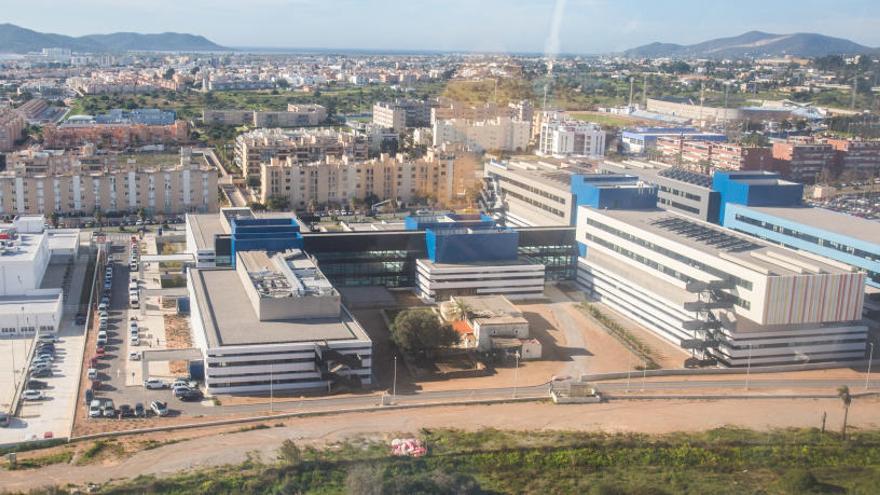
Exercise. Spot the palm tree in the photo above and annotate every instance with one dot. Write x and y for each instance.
(460, 309)
(846, 398)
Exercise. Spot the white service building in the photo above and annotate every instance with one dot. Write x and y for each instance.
(275, 323)
(720, 294)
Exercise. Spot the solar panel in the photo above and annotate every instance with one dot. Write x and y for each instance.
(703, 234)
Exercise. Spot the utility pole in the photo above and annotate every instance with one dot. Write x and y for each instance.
(644, 372)
(645, 92)
(632, 82)
(855, 87)
(824, 417)
(870, 359)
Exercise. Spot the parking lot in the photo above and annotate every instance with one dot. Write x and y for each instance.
(52, 415)
(118, 370)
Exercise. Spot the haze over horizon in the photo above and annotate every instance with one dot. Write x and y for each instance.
(587, 26)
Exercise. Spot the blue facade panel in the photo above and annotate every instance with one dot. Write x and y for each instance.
(264, 234)
(845, 249)
(448, 221)
(612, 192)
(468, 246)
(755, 189)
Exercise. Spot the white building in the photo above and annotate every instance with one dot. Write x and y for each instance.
(25, 253)
(571, 138)
(516, 279)
(275, 323)
(723, 295)
(500, 133)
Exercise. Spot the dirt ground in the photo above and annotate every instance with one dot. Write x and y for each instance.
(166, 453)
(177, 336)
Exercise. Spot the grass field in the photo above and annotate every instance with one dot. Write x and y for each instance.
(723, 461)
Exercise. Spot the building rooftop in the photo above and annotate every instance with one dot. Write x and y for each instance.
(230, 318)
(16, 305)
(747, 251)
(288, 274)
(204, 227)
(831, 221)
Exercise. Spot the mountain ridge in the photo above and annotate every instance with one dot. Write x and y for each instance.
(754, 44)
(16, 39)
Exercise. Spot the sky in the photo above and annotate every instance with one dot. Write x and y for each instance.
(583, 26)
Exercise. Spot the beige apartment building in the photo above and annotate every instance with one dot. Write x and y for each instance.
(43, 182)
(302, 145)
(340, 180)
(497, 134)
(297, 115)
(12, 125)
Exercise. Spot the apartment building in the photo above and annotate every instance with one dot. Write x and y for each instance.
(295, 116)
(707, 156)
(401, 114)
(66, 183)
(12, 125)
(857, 156)
(302, 145)
(804, 159)
(339, 180)
(447, 108)
(571, 138)
(500, 133)
(114, 136)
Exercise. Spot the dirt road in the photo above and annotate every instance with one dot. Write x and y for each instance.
(619, 416)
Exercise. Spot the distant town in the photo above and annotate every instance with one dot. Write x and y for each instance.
(233, 240)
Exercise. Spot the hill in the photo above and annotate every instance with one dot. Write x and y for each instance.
(15, 39)
(754, 44)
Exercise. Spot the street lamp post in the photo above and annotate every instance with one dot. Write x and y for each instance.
(870, 359)
(271, 386)
(394, 382)
(515, 373)
(644, 373)
(749, 367)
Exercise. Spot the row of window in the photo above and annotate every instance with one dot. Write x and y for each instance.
(671, 254)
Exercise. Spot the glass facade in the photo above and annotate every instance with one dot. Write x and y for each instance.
(388, 259)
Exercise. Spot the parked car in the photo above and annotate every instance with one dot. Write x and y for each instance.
(178, 390)
(36, 385)
(139, 411)
(190, 395)
(159, 407)
(100, 351)
(50, 339)
(41, 373)
(96, 408)
(134, 356)
(134, 341)
(154, 384)
(89, 395)
(4, 420)
(103, 307)
(32, 395)
(107, 409)
(125, 411)
(92, 373)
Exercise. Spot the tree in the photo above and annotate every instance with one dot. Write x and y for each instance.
(846, 398)
(277, 203)
(168, 74)
(53, 219)
(460, 309)
(419, 333)
(289, 453)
